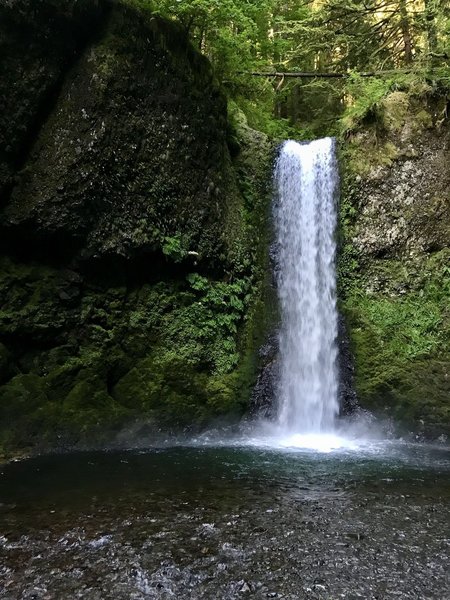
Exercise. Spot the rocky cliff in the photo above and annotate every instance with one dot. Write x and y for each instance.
(134, 235)
(132, 222)
(395, 257)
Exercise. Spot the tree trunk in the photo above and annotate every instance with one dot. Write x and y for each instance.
(430, 16)
(406, 32)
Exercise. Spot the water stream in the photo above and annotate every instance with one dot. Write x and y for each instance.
(305, 218)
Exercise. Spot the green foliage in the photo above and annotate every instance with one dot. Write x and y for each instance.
(259, 112)
(205, 329)
(405, 328)
(332, 36)
(401, 335)
(232, 33)
(348, 266)
(365, 93)
(387, 101)
(174, 247)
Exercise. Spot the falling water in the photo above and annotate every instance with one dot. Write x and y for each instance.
(305, 216)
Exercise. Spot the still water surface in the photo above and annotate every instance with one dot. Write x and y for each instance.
(227, 522)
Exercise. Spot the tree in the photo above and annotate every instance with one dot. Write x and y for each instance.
(333, 36)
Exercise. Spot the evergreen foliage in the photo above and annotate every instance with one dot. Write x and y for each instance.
(344, 36)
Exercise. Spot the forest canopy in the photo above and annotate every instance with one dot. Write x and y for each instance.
(348, 37)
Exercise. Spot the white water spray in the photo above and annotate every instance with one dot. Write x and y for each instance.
(305, 217)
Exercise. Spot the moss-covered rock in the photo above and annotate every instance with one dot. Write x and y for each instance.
(394, 260)
(133, 155)
(132, 275)
(173, 393)
(22, 400)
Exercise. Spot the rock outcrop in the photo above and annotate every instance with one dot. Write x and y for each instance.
(132, 244)
(395, 259)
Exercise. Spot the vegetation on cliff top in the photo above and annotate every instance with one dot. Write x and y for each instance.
(334, 36)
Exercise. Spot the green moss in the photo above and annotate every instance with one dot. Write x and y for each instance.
(24, 393)
(393, 111)
(172, 392)
(422, 120)
(400, 331)
(89, 408)
(21, 402)
(365, 152)
(385, 118)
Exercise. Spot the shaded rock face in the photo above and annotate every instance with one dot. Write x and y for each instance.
(264, 395)
(137, 131)
(394, 260)
(347, 397)
(38, 44)
(131, 244)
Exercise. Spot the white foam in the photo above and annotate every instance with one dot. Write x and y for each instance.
(320, 442)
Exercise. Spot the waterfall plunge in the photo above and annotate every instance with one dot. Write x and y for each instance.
(305, 217)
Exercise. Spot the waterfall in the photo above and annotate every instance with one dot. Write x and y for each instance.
(305, 217)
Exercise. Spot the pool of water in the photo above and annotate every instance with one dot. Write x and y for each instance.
(215, 522)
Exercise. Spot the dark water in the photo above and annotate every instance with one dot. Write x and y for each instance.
(222, 523)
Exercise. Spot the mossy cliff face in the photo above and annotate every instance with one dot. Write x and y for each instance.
(132, 244)
(395, 259)
(132, 152)
(33, 60)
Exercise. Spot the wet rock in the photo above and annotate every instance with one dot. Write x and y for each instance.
(264, 392)
(347, 397)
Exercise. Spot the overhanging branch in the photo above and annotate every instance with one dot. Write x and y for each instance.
(313, 74)
(283, 75)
